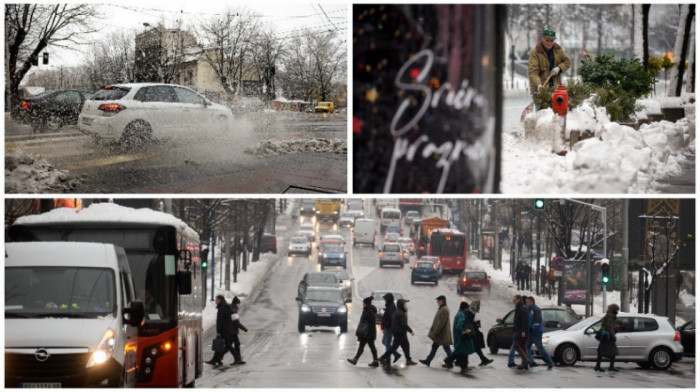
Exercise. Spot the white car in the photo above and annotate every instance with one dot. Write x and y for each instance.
(647, 339)
(338, 237)
(356, 210)
(308, 230)
(409, 243)
(299, 245)
(346, 219)
(132, 113)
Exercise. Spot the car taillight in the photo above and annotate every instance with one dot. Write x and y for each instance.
(381, 254)
(111, 107)
(677, 338)
(24, 105)
(415, 266)
(464, 279)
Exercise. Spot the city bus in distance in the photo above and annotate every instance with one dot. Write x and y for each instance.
(164, 257)
(451, 246)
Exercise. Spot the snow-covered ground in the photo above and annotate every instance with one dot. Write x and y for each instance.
(269, 147)
(25, 173)
(618, 159)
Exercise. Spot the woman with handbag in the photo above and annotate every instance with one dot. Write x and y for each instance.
(607, 346)
(366, 332)
(479, 342)
(463, 332)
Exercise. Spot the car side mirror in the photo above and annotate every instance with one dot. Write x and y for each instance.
(590, 331)
(134, 313)
(298, 299)
(499, 321)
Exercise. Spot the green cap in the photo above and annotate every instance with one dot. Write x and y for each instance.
(549, 34)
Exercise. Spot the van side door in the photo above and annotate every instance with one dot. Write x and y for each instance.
(130, 332)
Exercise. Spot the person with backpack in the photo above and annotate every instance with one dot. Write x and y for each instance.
(606, 336)
(366, 332)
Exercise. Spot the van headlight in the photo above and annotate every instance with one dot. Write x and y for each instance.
(104, 350)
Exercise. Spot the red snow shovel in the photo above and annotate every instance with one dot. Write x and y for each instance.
(529, 107)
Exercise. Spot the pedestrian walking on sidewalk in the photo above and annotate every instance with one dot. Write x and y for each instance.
(388, 337)
(536, 331)
(479, 341)
(440, 332)
(606, 336)
(237, 325)
(400, 329)
(366, 332)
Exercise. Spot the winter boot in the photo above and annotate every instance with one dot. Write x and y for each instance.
(353, 361)
(373, 364)
(410, 362)
(448, 364)
(485, 362)
(522, 366)
(398, 356)
(424, 362)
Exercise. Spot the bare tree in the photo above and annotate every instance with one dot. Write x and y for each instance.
(328, 58)
(681, 48)
(31, 28)
(267, 52)
(298, 71)
(662, 247)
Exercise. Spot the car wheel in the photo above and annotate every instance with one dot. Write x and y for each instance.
(413, 281)
(136, 133)
(661, 358)
(301, 326)
(493, 347)
(436, 282)
(344, 327)
(566, 354)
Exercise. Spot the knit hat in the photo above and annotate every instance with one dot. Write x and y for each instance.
(463, 305)
(367, 301)
(549, 34)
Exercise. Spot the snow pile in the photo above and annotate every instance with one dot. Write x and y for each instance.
(647, 107)
(25, 173)
(269, 147)
(686, 298)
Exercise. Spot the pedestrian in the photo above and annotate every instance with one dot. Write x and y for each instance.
(679, 284)
(237, 325)
(520, 330)
(366, 332)
(388, 337)
(543, 279)
(552, 282)
(520, 275)
(440, 332)
(607, 346)
(224, 329)
(400, 329)
(535, 336)
(463, 334)
(479, 341)
(521, 242)
(528, 275)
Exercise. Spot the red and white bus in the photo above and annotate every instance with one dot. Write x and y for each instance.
(451, 246)
(164, 258)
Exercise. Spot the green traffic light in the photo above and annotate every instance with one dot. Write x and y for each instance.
(539, 204)
(204, 264)
(606, 280)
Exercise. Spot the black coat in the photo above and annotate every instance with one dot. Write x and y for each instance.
(224, 325)
(399, 323)
(388, 315)
(521, 322)
(368, 318)
(479, 342)
(236, 324)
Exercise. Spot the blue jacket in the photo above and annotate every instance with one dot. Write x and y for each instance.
(536, 323)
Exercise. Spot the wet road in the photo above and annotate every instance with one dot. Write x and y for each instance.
(278, 355)
(214, 163)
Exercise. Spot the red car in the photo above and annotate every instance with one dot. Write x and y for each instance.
(473, 280)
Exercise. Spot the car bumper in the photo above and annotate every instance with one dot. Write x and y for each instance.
(425, 277)
(106, 375)
(395, 262)
(299, 252)
(333, 262)
(314, 320)
(103, 127)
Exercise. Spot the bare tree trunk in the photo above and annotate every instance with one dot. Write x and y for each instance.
(681, 49)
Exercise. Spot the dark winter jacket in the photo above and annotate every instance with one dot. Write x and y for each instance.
(539, 67)
(236, 322)
(224, 325)
(609, 348)
(478, 335)
(368, 317)
(535, 313)
(521, 322)
(520, 271)
(463, 345)
(399, 323)
(388, 315)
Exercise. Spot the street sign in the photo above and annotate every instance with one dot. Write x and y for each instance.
(558, 263)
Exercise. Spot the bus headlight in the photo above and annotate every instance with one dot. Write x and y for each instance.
(104, 350)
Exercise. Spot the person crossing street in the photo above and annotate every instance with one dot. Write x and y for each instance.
(440, 331)
(535, 333)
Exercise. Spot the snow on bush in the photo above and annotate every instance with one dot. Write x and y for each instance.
(268, 147)
(25, 173)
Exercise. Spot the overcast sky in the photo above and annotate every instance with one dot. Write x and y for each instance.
(285, 18)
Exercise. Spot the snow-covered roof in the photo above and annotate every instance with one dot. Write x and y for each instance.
(106, 212)
(74, 254)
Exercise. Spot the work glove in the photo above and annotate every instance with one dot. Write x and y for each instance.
(555, 71)
(539, 87)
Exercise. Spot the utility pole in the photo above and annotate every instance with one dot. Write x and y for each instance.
(479, 240)
(624, 278)
(213, 261)
(497, 245)
(589, 278)
(539, 238)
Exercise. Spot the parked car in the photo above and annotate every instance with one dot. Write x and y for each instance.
(410, 216)
(346, 219)
(378, 301)
(51, 110)
(425, 271)
(346, 280)
(647, 339)
(390, 253)
(501, 334)
(323, 306)
(132, 113)
(687, 331)
(332, 255)
(473, 280)
(299, 245)
(317, 279)
(268, 243)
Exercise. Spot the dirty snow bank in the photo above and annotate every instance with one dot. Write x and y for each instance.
(25, 173)
(268, 147)
(618, 160)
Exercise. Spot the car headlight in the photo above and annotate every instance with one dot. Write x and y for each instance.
(325, 255)
(305, 308)
(342, 256)
(104, 350)
(343, 309)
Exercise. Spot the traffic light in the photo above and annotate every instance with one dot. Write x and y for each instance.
(605, 273)
(204, 264)
(539, 204)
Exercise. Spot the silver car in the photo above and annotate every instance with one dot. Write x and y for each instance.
(648, 340)
(345, 279)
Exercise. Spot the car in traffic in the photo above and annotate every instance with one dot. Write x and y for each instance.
(333, 236)
(394, 229)
(389, 216)
(317, 279)
(473, 280)
(346, 220)
(405, 251)
(687, 331)
(356, 209)
(326, 107)
(392, 237)
(378, 301)
(345, 280)
(390, 253)
(308, 207)
(409, 243)
(51, 110)
(308, 230)
(410, 216)
(500, 335)
(299, 245)
(332, 255)
(647, 339)
(425, 271)
(133, 113)
(433, 259)
(364, 232)
(323, 307)
(268, 243)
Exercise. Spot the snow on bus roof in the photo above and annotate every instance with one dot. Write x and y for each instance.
(107, 212)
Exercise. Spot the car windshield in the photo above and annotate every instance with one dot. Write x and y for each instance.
(425, 265)
(308, 204)
(113, 92)
(347, 216)
(392, 248)
(306, 227)
(392, 237)
(476, 275)
(321, 278)
(429, 258)
(341, 274)
(391, 215)
(355, 207)
(333, 248)
(38, 292)
(324, 296)
(412, 214)
(393, 229)
(299, 240)
(583, 323)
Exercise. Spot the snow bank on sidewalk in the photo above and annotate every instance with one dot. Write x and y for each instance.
(25, 173)
(269, 147)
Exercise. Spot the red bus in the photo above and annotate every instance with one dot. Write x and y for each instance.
(451, 246)
(163, 255)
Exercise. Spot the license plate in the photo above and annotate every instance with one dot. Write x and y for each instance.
(87, 121)
(425, 276)
(476, 285)
(40, 385)
(324, 315)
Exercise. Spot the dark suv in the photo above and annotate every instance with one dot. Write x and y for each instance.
(501, 334)
(323, 306)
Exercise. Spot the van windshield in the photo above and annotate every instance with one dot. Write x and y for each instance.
(71, 292)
